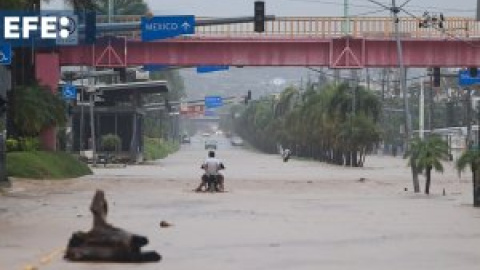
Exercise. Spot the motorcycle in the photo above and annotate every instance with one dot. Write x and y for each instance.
(212, 183)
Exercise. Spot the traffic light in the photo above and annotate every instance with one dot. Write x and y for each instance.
(436, 77)
(473, 71)
(259, 18)
(90, 27)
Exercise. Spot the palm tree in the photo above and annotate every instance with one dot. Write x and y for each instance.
(427, 155)
(319, 123)
(472, 158)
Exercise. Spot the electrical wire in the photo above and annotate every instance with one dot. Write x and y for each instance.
(443, 31)
(416, 7)
(367, 13)
(380, 4)
(471, 44)
(404, 4)
(331, 3)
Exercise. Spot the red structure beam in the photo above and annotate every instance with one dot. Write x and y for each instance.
(47, 72)
(335, 53)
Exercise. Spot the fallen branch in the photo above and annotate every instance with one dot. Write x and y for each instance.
(105, 242)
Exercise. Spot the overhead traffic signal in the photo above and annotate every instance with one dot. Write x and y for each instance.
(90, 27)
(259, 18)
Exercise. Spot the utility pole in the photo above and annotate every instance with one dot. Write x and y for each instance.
(422, 109)
(346, 22)
(403, 82)
(403, 88)
(92, 125)
(469, 118)
(111, 5)
(478, 10)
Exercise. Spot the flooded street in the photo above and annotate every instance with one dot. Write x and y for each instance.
(274, 215)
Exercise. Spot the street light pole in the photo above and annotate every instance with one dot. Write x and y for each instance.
(92, 127)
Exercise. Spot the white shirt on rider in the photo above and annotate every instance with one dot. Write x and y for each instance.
(212, 166)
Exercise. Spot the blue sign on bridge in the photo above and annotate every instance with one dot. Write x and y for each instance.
(206, 69)
(213, 101)
(155, 67)
(162, 27)
(465, 79)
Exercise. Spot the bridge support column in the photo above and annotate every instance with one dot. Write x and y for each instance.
(47, 73)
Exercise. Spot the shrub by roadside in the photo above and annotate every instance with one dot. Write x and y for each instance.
(45, 165)
(156, 148)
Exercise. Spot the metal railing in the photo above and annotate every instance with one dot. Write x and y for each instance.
(328, 27)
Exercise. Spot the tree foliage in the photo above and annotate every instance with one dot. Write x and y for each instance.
(35, 109)
(428, 154)
(321, 123)
(471, 158)
(176, 84)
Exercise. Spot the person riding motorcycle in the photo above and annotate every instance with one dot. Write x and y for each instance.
(212, 166)
(286, 155)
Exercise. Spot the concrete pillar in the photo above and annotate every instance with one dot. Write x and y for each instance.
(47, 73)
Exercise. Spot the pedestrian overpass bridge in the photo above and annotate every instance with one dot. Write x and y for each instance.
(308, 41)
(293, 41)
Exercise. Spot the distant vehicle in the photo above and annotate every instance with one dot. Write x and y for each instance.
(236, 141)
(211, 144)
(206, 134)
(186, 139)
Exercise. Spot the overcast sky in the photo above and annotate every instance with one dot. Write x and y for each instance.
(236, 8)
(229, 8)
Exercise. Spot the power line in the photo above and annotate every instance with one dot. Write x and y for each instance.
(368, 13)
(442, 30)
(417, 7)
